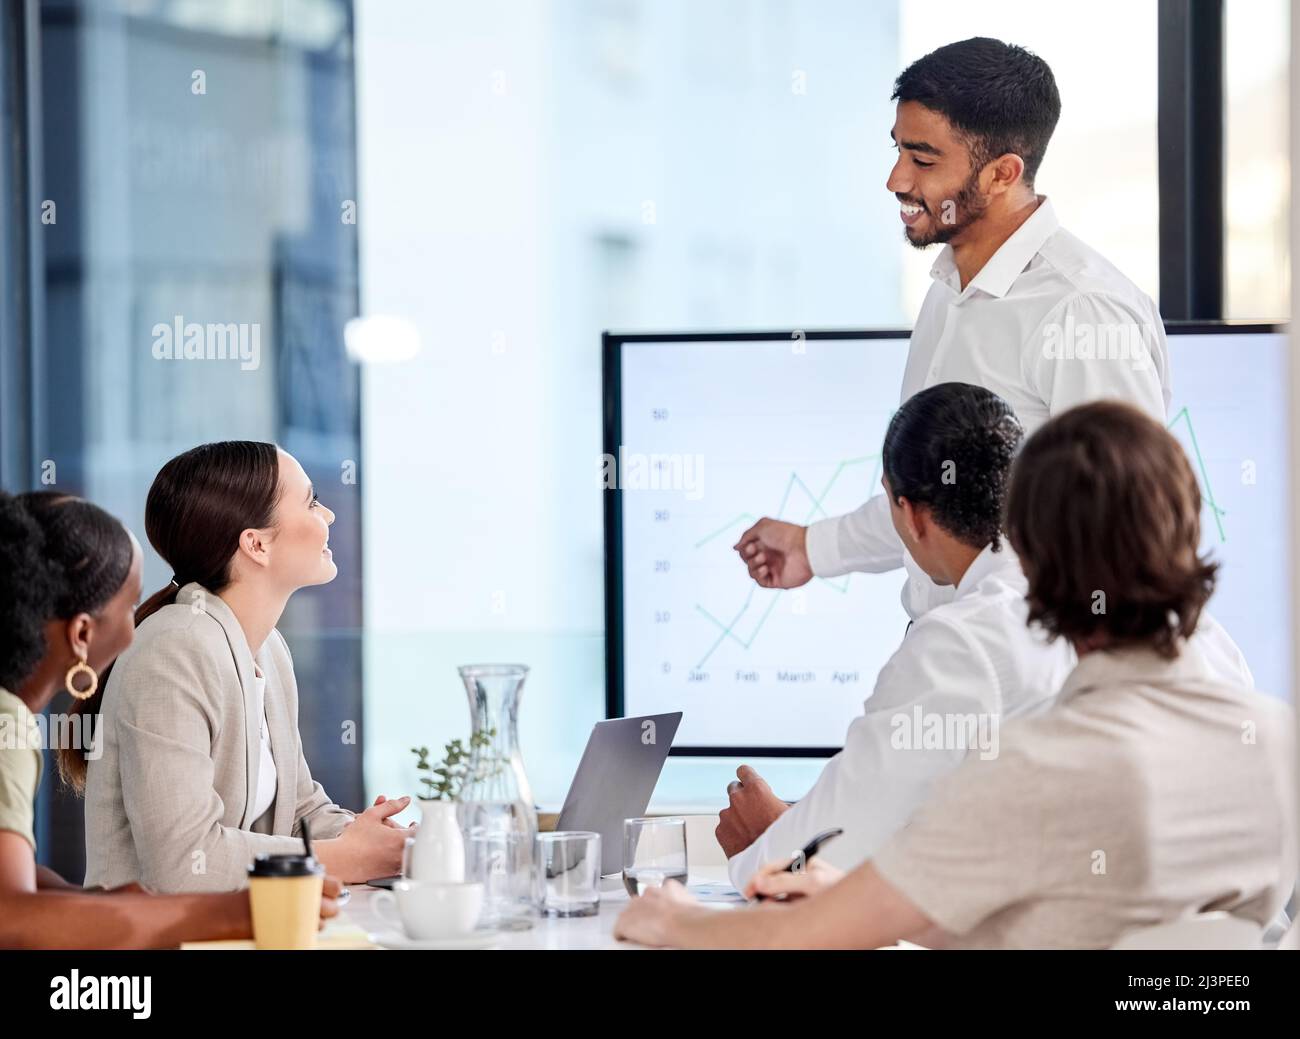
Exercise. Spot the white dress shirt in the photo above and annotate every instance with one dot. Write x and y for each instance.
(1024, 327)
(266, 776)
(972, 655)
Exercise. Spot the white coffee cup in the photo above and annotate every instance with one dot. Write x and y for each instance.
(427, 911)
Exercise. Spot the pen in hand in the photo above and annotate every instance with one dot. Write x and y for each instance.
(801, 859)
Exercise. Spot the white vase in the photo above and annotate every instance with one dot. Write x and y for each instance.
(438, 850)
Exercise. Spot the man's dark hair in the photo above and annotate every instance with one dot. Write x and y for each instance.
(999, 97)
(950, 447)
(1105, 514)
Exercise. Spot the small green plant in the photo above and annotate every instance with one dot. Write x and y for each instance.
(447, 780)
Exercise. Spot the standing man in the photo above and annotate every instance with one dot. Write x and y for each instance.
(1019, 305)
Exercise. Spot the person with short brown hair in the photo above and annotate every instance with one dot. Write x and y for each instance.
(1145, 583)
(1155, 788)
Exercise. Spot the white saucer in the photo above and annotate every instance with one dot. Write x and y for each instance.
(390, 939)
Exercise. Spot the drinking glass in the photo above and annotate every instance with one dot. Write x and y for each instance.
(654, 852)
(568, 873)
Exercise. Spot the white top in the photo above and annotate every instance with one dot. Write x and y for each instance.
(266, 778)
(973, 655)
(1047, 323)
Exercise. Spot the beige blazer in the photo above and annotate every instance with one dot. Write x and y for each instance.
(168, 801)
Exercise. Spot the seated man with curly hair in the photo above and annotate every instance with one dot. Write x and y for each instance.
(962, 668)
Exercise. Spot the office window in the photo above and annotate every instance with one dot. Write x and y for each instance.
(197, 156)
(1257, 260)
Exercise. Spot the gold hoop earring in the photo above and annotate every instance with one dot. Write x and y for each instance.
(79, 666)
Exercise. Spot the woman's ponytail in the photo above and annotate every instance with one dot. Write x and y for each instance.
(198, 505)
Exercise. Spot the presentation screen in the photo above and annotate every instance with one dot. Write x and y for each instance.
(705, 434)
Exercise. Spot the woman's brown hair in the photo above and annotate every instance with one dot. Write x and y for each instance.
(1104, 512)
(198, 505)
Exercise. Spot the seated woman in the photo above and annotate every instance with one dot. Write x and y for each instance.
(200, 764)
(69, 579)
(1153, 788)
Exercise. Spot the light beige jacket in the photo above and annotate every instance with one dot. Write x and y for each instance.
(168, 801)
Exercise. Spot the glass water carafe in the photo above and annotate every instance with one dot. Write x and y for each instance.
(498, 816)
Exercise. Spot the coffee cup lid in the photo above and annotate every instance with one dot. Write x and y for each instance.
(284, 866)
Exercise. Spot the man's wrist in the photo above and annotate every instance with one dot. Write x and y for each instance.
(819, 545)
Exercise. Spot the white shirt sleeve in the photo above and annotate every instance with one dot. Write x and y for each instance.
(1136, 372)
(862, 540)
(1223, 655)
(883, 774)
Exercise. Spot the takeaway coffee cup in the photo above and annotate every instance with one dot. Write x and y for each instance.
(284, 892)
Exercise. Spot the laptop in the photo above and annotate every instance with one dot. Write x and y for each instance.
(615, 779)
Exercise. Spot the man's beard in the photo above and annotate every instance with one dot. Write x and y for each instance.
(968, 207)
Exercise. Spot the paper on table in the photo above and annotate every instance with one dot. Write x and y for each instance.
(715, 893)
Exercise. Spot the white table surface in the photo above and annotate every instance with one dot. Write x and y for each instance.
(583, 932)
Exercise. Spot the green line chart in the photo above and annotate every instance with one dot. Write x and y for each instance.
(797, 481)
(727, 629)
(1184, 415)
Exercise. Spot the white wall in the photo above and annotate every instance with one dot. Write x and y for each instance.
(533, 173)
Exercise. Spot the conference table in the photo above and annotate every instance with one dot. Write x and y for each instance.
(360, 926)
(709, 883)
